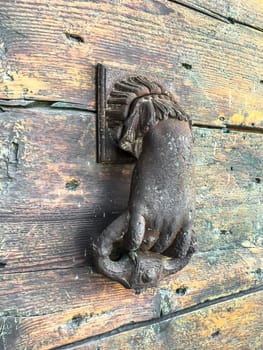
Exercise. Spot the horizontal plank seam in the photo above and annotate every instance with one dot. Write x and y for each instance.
(48, 105)
(141, 324)
(215, 15)
(228, 127)
(45, 105)
(203, 11)
(248, 25)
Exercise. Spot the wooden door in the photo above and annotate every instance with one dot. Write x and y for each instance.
(55, 198)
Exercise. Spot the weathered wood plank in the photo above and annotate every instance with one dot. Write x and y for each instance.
(246, 12)
(232, 325)
(57, 203)
(55, 198)
(53, 308)
(215, 78)
(66, 242)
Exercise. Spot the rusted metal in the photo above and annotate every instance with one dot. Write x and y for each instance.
(155, 234)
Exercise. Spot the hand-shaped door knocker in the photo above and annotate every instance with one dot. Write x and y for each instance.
(156, 231)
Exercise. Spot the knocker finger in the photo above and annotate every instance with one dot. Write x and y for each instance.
(134, 236)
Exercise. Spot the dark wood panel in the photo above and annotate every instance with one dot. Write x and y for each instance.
(55, 198)
(232, 325)
(215, 78)
(56, 307)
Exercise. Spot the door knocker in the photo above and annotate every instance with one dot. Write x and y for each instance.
(155, 234)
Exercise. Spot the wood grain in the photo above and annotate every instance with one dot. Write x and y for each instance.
(56, 307)
(249, 13)
(232, 325)
(55, 198)
(50, 50)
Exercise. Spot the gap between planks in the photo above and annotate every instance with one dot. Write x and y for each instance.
(8, 105)
(170, 316)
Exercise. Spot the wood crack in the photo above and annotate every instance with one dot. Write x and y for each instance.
(27, 104)
(9, 105)
(203, 11)
(215, 15)
(6, 105)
